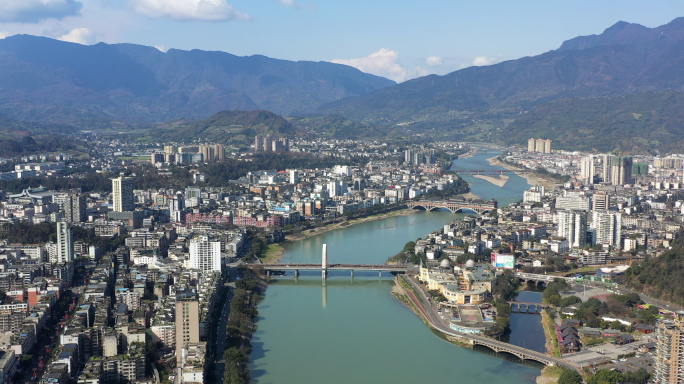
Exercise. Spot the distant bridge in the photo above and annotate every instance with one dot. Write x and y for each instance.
(399, 268)
(519, 305)
(455, 205)
(499, 171)
(324, 267)
(533, 277)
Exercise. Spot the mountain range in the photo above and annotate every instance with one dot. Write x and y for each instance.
(48, 80)
(625, 59)
(621, 89)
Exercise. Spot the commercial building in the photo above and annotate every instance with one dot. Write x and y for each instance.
(122, 191)
(576, 203)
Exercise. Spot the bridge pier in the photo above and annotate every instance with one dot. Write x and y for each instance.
(352, 273)
(268, 273)
(380, 274)
(296, 272)
(324, 274)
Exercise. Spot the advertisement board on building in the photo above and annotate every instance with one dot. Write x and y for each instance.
(503, 261)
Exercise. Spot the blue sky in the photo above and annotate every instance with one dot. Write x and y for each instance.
(398, 39)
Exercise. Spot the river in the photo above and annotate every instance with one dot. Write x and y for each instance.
(346, 330)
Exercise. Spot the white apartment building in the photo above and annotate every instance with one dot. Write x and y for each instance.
(205, 255)
(65, 243)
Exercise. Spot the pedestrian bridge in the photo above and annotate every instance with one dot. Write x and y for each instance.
(455, 205)
(536, 278)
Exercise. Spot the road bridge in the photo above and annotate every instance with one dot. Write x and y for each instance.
(324, 266)
(455, 205)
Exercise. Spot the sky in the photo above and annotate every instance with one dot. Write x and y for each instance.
(397, 39)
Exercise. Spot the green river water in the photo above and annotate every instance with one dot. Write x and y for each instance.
(348, 330)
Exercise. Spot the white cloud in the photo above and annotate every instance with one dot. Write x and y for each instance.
(3, 35)
(186, 10)
(381, 63)
(80, 36)
(297, 5)
(161, 48)
(34, 11)
(434, 61)
(482, 60)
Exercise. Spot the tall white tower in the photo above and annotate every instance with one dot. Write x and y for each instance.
(324, 261)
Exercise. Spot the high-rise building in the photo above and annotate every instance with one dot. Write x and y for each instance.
(258, 143)
(668, 359)
(187, 322)
(158, 157)
(205, 255)
(122, 191)
(600, 201)
(65, 243)
(607, 174)
(73, 207)
(607, 228)
(176, 208)
(572, 225)
(581, 203)
(539, 145)
(587, 170)
(622, 171)
(294, 176)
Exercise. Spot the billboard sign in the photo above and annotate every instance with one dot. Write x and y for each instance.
(503, 261)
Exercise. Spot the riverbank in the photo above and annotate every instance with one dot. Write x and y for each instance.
(274, 253)
(471, 153)
(550, 334)
(549, 375)
(532, 178)
(469, 195)
(344, 224)
(499, 181)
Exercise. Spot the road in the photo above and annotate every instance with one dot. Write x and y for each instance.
(430, 313)
(223, 322)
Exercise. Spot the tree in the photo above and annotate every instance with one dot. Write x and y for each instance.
(605, 376)
(570, 377)
(570, 300)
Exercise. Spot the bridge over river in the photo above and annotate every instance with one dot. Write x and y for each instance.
(455, 205)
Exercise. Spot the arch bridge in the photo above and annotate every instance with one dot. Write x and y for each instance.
(521, 353)
(455, 205)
